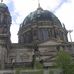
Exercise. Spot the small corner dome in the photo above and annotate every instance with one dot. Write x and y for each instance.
(4, 11)
(41, 15)
(2, 5)
(4, 8)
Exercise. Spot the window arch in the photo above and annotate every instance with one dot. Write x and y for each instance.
(43, 34)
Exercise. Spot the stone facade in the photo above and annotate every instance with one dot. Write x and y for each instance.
(41, 36)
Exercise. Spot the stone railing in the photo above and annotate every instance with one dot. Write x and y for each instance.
(41, 71)
(7, 72)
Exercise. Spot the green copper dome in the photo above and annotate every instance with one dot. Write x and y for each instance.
(41, 15)
(40, 26)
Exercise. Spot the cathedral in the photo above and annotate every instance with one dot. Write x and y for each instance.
(41, 35)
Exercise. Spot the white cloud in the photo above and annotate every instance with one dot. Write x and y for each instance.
(14, 31)
(65, 14)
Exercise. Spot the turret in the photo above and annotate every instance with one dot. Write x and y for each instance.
(5, 22)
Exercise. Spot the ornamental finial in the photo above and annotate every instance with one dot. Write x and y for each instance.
(1, 1)
(38, 3)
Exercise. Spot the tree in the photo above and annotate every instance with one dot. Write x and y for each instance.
(64, 61)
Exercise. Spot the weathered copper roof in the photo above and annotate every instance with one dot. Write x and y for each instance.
(41, 15)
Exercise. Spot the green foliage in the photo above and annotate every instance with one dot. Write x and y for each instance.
(23, 68)
(51, 72)
(38, 72)
(70, 69)
(64, 61)
(38, 65)
(32, 72)
(17, 71)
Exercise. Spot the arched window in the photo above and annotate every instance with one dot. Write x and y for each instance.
(40, 35)
(43, 34)
(28, 38)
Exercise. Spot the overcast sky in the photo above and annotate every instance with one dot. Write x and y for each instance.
(19, 9)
